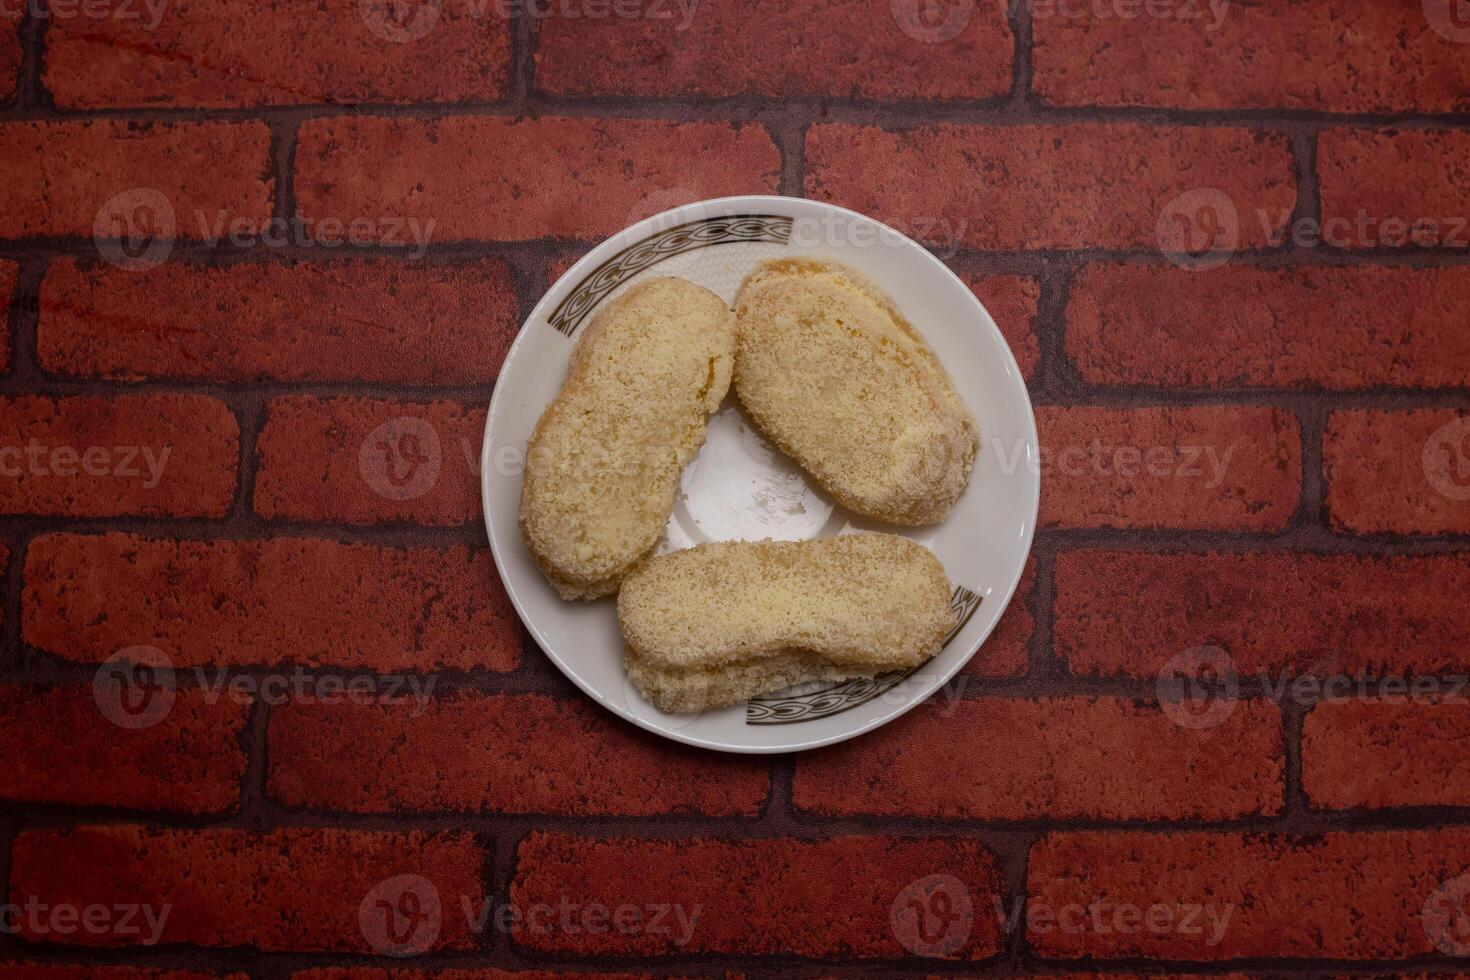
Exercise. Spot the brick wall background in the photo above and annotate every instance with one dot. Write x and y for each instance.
(277, 239)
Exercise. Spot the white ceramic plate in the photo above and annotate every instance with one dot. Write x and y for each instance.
(738, 487)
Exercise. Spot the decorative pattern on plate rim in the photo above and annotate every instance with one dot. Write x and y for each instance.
(571, 311)
(842, 697)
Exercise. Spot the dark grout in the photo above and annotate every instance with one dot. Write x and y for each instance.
(1056, 382)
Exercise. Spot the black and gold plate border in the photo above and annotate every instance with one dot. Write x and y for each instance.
(687, 237)
(847, 695)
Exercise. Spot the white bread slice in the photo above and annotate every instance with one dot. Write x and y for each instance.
(603, 465)
(718, 623)
(829, 370)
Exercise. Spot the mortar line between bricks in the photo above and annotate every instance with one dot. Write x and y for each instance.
(283, 964)
(1018, 13)
(1295, 803)
(249, 410)
(42, 669)
(519, 957)
(197, 252)
(283, 167)
(490, 942)
(1000, 110)
(1303, 540)
(1309, 191)
(30, 90)
(815, 825)
(521, 74)
(1055, 374)
(1043, 664)
(1015, 864)
(253, 742)
(1312, 508)
(1044, 392)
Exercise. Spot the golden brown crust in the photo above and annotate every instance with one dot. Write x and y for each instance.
(709, 621)
(829, 370)
(603, 465)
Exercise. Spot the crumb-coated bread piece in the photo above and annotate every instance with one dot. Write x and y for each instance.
(603, 465)
(718, 623)
(830, 371)
(688, 691)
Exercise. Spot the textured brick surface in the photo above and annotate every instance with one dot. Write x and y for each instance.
(1332, 55)
(227, 53)
(1106, 185)
(1337, 895)
(1400, 750)
(10, 56)
(1129, 612)
(382, 321)
(1005, 652)
(503, 753)
(296, 243)
(282, 890)
(1011, 302)
(1209, 466)
(80, 971)
(1411, 177)
(808, 898)
(101, 457)
(1290, 327)
(1405, 472)
(220, 170)
(8, 274)
(366, 461)
(487, 973)
(1058, 758)
(280, 601)
(548, 177)
(809, 47)
(189, 760)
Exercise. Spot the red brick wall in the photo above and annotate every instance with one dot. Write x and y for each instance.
(1223, 725)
